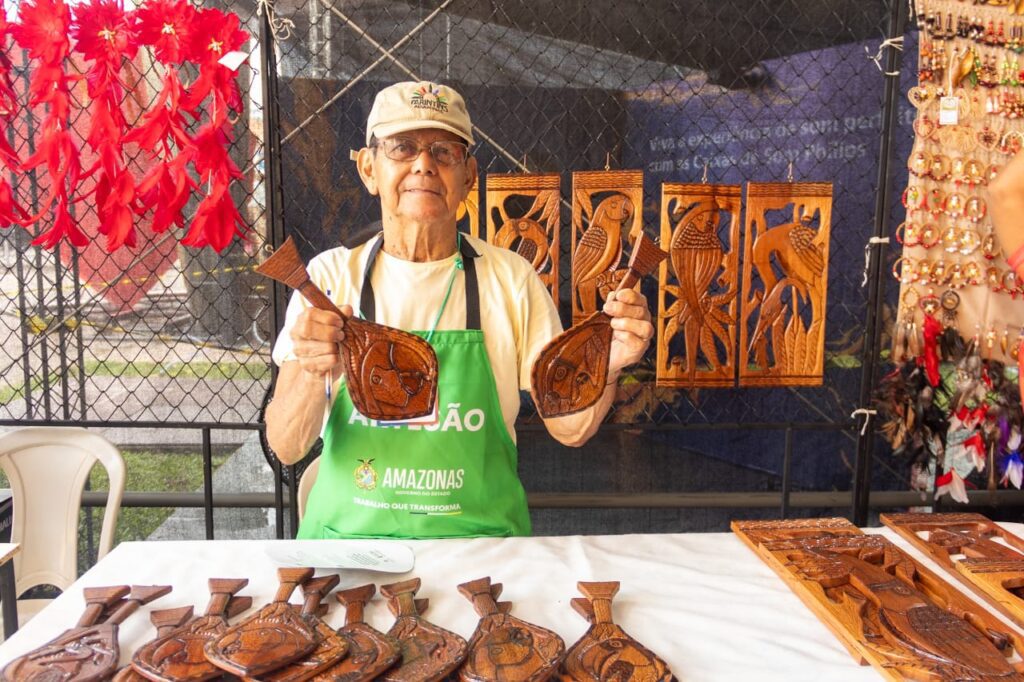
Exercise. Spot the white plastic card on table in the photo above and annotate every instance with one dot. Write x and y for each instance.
(369, 555)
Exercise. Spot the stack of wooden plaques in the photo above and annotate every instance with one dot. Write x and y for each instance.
(993, 569)
(886, 608)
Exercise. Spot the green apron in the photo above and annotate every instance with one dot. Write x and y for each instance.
(455, 478)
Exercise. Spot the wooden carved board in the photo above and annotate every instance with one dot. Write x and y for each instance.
(523, 216)
(179, 655)
(429, 652)
(607, 215)
(782, 315)
(504, 647)
(165, 621)
(884, 607)
(470, 209)
(698, 315)
(993, 570)
(605, 651)
(370, 652)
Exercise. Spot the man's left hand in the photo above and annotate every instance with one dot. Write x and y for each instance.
(632, 328)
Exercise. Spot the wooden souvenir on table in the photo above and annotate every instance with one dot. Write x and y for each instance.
(607, 207)
(470, 208)
(165, 621)
(886, 608)
(331, 648)
(391, 374)
(785, 276)
(606, 652)
(993, 570)
(698, 314)
(179, 655)
(571, 371)
(504, 647)
(429, 652)
(523, 216)
(89, 651)
(271, 638)
(370, 652)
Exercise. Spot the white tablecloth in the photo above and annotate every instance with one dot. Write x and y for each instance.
(704, 602)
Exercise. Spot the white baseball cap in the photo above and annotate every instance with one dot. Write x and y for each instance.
(409, 106)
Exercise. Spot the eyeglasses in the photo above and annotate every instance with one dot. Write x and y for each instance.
(444, 152)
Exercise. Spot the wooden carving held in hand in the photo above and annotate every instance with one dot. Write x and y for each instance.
(504, 647)
(606, 208)
(469, 208)
(271, 638)
(698, 315)
(391, 374)
(886, 609)
(530, 229)
(993, 570)
(370, 652)
(331, 648)
(571, 371)
(88, 652)
(605, 651)
(782, 316)
(179, 656)
(429, 652)
(165, 621)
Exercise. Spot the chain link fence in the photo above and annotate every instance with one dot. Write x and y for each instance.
(727, 92)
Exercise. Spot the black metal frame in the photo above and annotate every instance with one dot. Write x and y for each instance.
(859, 500)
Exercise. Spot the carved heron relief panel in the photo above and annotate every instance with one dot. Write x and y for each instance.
(785, 276)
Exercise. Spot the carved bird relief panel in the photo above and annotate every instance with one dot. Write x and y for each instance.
(887, 609)
(785, 277)
(467, 215)
(607, 213)
(698, 307)
(523, 216)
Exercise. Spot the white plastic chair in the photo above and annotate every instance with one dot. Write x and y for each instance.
(47, 467)
(306, 482)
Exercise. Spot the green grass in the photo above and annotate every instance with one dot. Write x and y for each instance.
(146, 471)
(195, 369)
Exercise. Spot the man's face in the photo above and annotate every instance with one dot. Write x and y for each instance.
(420, 190)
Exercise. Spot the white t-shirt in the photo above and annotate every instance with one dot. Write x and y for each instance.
(517, 314)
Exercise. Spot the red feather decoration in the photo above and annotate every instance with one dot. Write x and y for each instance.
(43, 31)
(164, 25)
(106, 38)
(216, 33)
(930, 357)
(10, 212)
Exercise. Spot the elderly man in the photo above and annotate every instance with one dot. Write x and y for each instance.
(483, 309)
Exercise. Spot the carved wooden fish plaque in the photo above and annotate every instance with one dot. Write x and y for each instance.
(429, 652)
(90, 651)
(504, 647)
(370, 652)
(606, 652)
(391, 374)
(180, 656)
(271, 638)
(571, 372)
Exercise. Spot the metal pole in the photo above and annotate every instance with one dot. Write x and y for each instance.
(876, 280)
(208, 483)
(787, 465)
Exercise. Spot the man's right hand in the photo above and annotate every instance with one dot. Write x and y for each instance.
(315, 336)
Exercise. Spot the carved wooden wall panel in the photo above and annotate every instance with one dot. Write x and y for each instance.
(993, 570)
(523, 215)
(469, 209)
(782, 316)
(607, 212)
(886, 608)
(698, 313)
